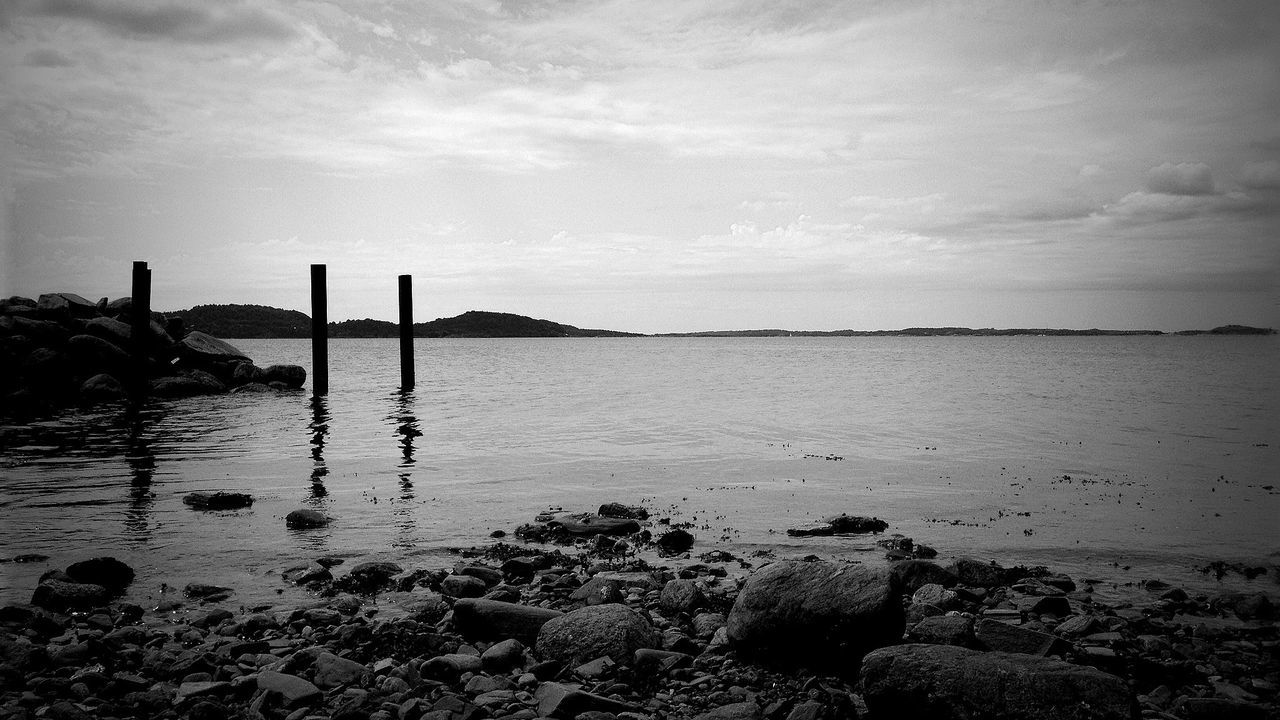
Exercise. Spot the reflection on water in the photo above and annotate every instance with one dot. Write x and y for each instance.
(319, 432)
(406, 424)
(142, 467)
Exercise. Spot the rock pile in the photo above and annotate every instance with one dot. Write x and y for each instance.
(605, 636)
(63, 350)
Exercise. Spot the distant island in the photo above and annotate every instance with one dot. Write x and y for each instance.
(261, 321)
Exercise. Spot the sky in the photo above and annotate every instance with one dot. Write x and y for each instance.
(657, 166)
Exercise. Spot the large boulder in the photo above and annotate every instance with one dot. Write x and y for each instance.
(66, 305)
(591, 524)
(815, 613)
(290, 375)
(102, 388)
(62, 595)
(945, 682)
(611, 630)
(203, 347)
(191, 384)
(98, 355)
(106, 571)
(480, 619)
(117, 332)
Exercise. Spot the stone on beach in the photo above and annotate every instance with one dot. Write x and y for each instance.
(61, 595)
(944, 682)
(106, 571)
(479, 619)
(842, 525)
(218, 500)
(305, 518)
(815, 613)
(611, 630)
(592, 524)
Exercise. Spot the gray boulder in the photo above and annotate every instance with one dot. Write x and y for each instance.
(118, 332)
(102, 388)
(944, 682)
(334, 671)
(976, 573)
(305, 518)
(480, 619)
(291, 375)
(66, 305)
(60, 595)
(681, 596)
(587, 524)
(815, 613)
(615, 631)
(207, 348)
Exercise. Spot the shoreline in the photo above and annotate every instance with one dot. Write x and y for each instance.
(379, 640)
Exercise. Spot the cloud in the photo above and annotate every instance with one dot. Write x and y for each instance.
(196, 22)
(47, 57)
(1261, 175)
(1181, 179)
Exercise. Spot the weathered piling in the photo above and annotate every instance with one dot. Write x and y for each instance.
(406, 332)
(140, 332)
(319, 332)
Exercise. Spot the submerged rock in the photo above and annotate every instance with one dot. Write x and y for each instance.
(218, 500)
(842, 525)
(305, 518)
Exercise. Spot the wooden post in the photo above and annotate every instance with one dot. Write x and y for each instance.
(319, 332)
(140, 300)
(406, 332)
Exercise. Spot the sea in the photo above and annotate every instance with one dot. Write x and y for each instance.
(1115, 460)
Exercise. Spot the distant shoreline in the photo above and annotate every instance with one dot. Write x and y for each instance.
(263, 322)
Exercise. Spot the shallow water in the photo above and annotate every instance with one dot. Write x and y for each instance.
(1115, 458)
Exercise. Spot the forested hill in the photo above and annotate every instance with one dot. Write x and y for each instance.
(260, 321)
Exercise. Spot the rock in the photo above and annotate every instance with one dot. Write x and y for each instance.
(681, 596)
(462, 586)
(935, 595)
(96, 354)
(610, 630)
(60, 595)
(246, 372)
(995, 635)
(618, 510)
(732, 711)
(451, 666)
(590, 524)
(503, 656)
(842, 525)
(190, 384)
(1193, 708)
(218, 500)
(204, 688)
(292, 376)
(977, 573)
(291, 688)
(334, 670)
(66, 305)
(305, 518)
(102, 388)
(306, 574)
(674, 542)
(210, 593)
(1077, 625)
(564, 702)
(707, 624)
(477, 619)
(815, 613)
(944, 682)
(911, 575)
(369, 577)
(206, 348)
(106, 571)
(944, 630)
(599, 590)
(649, 661)
(117, 332)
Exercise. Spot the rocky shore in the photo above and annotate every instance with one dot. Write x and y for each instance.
(598, 616)
(62, 350)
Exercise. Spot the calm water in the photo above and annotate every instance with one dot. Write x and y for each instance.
(1169, 443)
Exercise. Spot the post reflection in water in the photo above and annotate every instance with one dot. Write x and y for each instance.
(319, 432)
(407, 428)
(142, 467)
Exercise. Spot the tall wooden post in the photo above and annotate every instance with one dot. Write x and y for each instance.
(319, 332)
(406, 332)
(140, 300)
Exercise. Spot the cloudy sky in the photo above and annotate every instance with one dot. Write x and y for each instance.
(665, 165)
